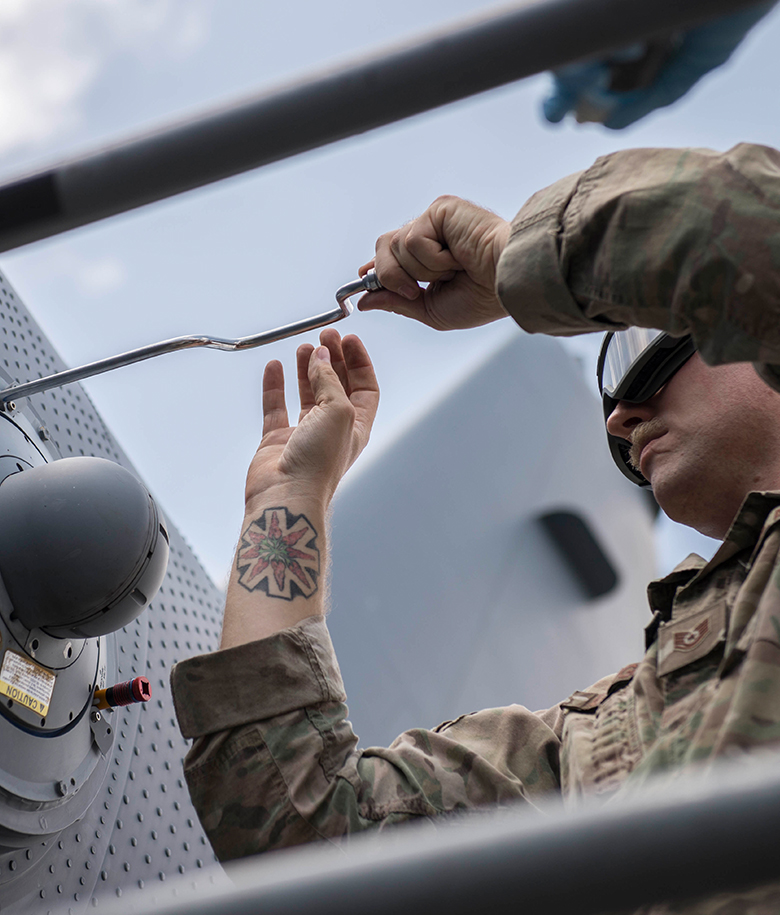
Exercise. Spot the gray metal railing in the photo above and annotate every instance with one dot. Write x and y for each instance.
(393, 84)
(677, 840)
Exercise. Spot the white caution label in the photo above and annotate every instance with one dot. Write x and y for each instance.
(27, 683)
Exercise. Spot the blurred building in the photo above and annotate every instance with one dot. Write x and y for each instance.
(493, 554)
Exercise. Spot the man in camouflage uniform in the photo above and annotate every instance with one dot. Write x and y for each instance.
(687, 241)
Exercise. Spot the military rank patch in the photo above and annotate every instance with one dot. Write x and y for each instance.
(683, 641)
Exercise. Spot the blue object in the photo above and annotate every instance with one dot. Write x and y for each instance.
(588, 89)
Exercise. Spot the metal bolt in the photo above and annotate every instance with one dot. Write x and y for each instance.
(62, 789)
(94, 716)
(7, 405)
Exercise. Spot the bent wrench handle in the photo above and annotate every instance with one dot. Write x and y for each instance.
(69, 376)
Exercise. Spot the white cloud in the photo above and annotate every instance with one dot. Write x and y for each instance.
(52, 51)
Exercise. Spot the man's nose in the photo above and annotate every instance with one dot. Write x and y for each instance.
(622, 420)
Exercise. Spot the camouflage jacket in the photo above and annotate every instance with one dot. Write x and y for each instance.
(683, 240)
(275, 761)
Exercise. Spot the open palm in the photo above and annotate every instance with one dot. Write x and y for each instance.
(339, 396)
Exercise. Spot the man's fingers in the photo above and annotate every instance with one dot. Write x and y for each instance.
(422, 249)
(305, 393)
(325, 383)
(331, 338)
(362, 379)
(395, 304)
(274, 407)
(390, 272)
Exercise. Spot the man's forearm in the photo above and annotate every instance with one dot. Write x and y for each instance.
(679, 240)
(279, 571)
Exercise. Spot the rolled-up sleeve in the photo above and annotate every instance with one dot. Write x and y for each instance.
(683, 240)
(275, 761)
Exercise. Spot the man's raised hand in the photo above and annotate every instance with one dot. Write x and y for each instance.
(339, 396)
(454, 246)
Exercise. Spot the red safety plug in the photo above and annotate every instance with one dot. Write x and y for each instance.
(137, 690)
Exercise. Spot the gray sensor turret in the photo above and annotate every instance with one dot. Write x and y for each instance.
(83, 547)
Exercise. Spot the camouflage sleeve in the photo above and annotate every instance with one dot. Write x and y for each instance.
(275, 762)
(683, 240)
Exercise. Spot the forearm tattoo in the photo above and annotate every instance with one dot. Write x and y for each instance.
(269, 557)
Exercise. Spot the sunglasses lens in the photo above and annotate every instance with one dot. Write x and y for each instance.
(623, 349)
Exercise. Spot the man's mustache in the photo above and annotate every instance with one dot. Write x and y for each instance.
(641, 435)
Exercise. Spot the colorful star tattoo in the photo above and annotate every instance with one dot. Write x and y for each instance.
(269, 559)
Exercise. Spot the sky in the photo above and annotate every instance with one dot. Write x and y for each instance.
(272, 246)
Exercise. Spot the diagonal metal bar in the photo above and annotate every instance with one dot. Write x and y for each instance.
(680, 840)
(174, 345)
(367, 283)
(391, 84)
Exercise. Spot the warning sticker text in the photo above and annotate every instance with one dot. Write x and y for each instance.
(26, 683)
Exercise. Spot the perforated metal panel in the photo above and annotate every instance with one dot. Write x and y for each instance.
(141, 829)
